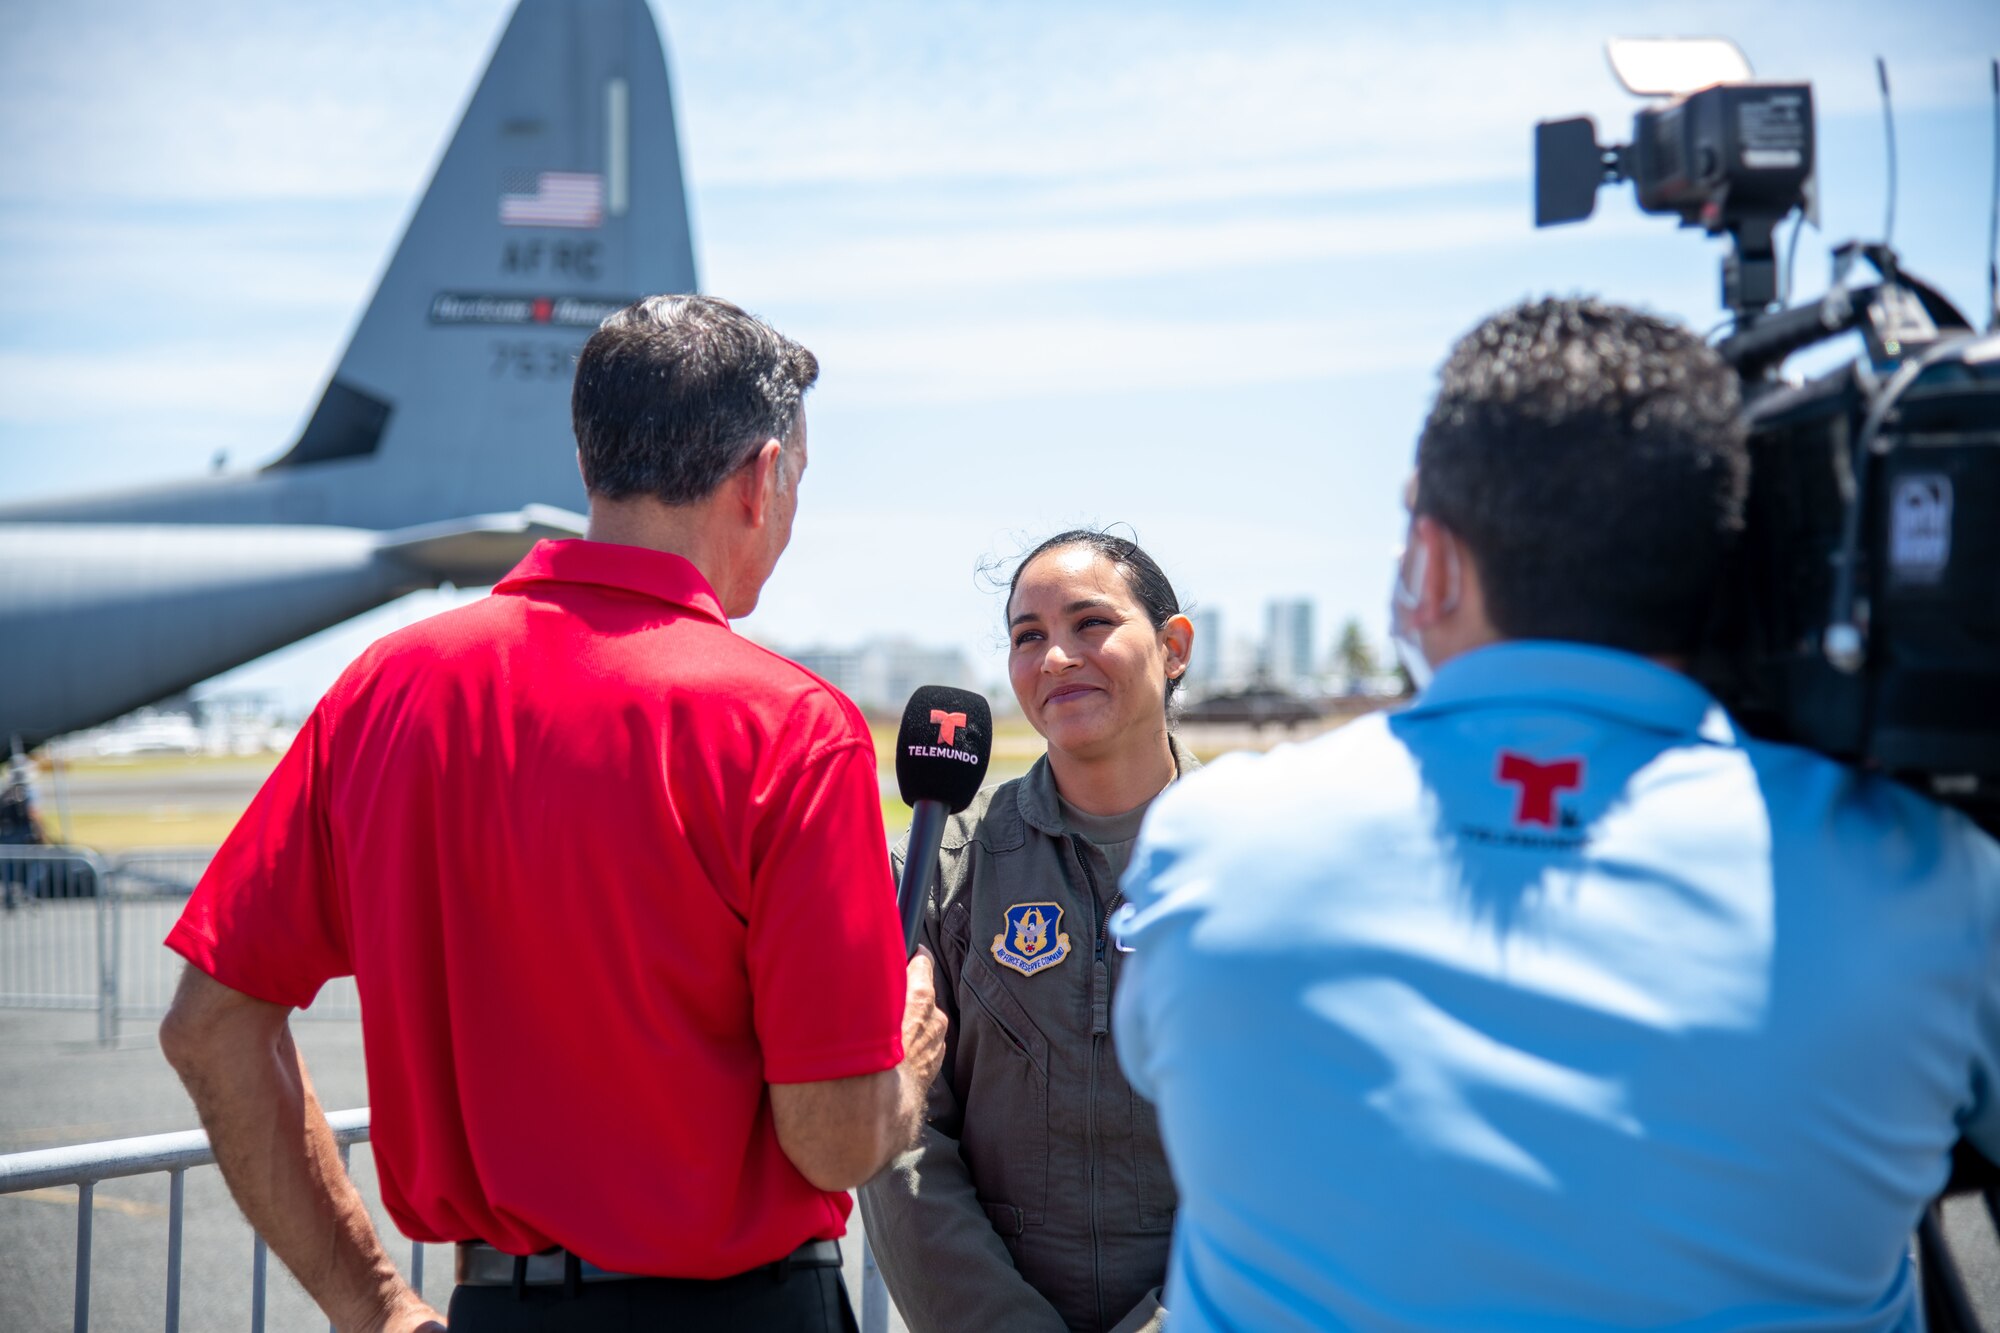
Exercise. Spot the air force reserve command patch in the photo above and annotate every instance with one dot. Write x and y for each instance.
(1032, 941)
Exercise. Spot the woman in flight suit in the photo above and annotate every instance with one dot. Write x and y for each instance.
(1038, 1197)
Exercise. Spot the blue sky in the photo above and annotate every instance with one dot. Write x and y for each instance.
(1187, 267)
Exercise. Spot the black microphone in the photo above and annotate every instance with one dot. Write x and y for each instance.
(941, 753)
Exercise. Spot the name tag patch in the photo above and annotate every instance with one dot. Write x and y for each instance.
(1032, 940)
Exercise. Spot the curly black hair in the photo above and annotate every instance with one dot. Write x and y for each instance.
(1592, 459)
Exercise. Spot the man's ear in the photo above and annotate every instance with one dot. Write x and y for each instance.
(758, 480)
(1443, 572)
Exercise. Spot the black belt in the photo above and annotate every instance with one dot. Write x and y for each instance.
(481, 1265)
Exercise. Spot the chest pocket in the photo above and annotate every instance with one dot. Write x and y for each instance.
(1001, 1076)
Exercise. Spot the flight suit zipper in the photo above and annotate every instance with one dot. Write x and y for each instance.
(1100, 1002)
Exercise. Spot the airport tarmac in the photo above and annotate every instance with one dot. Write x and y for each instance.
(58, 1086)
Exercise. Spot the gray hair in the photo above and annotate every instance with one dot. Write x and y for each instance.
(674, 393)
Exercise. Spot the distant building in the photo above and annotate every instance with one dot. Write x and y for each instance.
(838, 667)
(244, 722)
(147, 731)
(1288, 660)
(235, 723)
(1242, 664)
(1207, 667)
(881, 674)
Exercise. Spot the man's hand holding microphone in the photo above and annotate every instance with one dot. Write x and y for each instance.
(841, 1132)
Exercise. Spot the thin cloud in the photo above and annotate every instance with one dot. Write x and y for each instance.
(233, 100)
(977, 259)
(1078, 95)
(971, 361)
(265, 266)
(221, 382)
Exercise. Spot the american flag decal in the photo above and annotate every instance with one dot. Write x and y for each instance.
(552, 199)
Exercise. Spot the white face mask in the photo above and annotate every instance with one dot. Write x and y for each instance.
(1404, 597)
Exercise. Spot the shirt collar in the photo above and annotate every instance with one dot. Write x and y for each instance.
(656, 574)
(1041, 806)
(1581, 677)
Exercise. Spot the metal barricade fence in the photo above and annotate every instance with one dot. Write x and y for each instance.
(81, 931)
(84, 931)
(84, 1165)
(57, 933)
(149, 889)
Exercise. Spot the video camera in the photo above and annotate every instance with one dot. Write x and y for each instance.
(1862, 613)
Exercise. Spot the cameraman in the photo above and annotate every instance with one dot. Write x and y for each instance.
(1589, 1011)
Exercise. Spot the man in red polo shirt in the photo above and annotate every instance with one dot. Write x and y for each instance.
(613, 885)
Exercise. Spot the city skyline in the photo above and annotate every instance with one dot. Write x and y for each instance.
(880, 671)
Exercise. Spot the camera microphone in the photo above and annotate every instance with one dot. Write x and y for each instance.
(941, 753)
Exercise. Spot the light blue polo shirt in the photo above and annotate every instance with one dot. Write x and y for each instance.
(1553, 1003)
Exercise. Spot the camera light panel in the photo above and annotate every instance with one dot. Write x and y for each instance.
(1674, 66)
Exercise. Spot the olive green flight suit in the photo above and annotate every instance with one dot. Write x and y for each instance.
(1038, 1196)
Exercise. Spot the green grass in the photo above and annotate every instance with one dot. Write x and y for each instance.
(1015, 749)
(163, 826)
(895, 818)
(151, 764)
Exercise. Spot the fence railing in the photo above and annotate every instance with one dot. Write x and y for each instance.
(58, 941)
(82, 931)
(84, 1165)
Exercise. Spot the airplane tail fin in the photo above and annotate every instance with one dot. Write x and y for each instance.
(558, 200)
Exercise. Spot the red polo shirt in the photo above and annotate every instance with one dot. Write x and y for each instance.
(602, 871)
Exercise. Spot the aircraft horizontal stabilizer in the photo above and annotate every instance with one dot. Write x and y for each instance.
(476, 551)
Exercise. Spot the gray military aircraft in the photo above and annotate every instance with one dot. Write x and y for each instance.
(441, 449)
